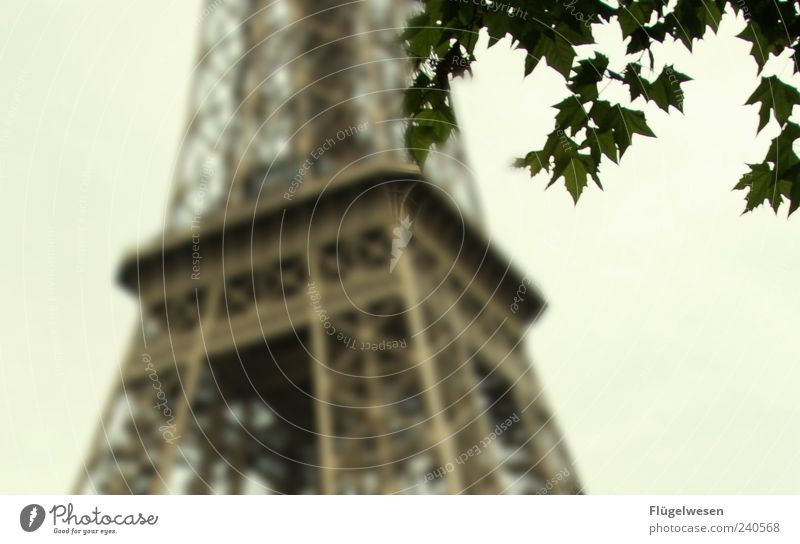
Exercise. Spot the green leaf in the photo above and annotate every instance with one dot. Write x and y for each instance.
(776, 178)
(690, 19)
(758, 180)
(552, 31)
(418, 141)
(637, 85)
(781, 151)
(575, 176)
(535, 161)
(417, 95)
(601, 143)
(634, 15)
(762, 44)
(761, 185)
(774, 95)
(557, 52)
(530, 63)
(600, 112)
(625, 123)
(437, 121)
(560, 154)
(666, 90)
(424, 40)
(571, 114)
(415, 25)
(711, 14)
(573, 166)
(571, 31)
(588, 74)
(497, 26)
(794, 195)
(643, 37)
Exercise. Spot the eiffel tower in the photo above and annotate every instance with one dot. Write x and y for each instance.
(319, 316)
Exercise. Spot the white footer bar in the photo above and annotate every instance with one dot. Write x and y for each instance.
(401, 519)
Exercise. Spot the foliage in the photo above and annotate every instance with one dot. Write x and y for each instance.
(442, 40)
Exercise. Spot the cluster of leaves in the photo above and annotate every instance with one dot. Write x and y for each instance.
(442, 41)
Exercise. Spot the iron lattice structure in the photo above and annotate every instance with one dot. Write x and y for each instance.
(318, 316)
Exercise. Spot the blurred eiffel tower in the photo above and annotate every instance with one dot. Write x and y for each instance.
(318, 316)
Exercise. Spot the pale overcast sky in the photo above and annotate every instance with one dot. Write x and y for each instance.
(668, 351)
